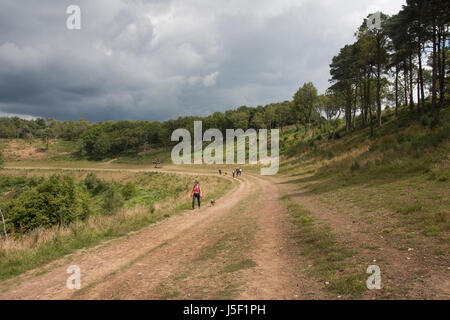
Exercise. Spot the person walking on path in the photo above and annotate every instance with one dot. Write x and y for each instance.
(196, 193)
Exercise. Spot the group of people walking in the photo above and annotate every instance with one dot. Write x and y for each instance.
(237, 172)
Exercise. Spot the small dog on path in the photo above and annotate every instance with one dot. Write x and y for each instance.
(213, 203)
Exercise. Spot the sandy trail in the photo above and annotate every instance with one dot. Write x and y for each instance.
(278, 273)
(133, 267)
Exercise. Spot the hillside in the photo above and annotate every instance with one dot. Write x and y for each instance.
(383, 200)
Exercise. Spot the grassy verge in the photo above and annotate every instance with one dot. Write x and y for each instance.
(329, 259)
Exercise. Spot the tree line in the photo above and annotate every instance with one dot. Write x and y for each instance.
(113, 138)
(409, 52)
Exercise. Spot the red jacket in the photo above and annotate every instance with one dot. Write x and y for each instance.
(197, 190)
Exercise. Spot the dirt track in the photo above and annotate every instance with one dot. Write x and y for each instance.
(185, 252)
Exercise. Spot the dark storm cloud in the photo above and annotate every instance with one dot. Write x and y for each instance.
(162, 59)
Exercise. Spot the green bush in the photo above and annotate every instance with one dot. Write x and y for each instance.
(129, 191)
(112, 200)
(2, 160)
(94, 184)
(18, 184)
(56, 200)
(425, 120)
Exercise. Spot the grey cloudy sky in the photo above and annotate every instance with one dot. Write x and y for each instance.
(160, 59)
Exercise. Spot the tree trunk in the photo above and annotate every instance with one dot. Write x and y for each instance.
(369, 109)
(396, 90)
(418, 91)
(362, 89)
(420, 102)
(411, 99)
(433, 77)
(348, 108)
(442, 66)
(355, 106)
(405, 80)
(379, 121)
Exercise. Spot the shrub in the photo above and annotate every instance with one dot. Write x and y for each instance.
(112, 200)
(57, 200)
(94, 184)
(129, 190)
(425, 120)
(18, 184)
(2, 160)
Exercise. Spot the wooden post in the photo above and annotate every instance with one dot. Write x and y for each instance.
(4, 225)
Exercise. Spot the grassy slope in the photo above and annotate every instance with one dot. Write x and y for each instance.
(405, 168)
(66, 153)
(397, 182)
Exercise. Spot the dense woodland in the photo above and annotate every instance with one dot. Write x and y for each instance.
(403, 64)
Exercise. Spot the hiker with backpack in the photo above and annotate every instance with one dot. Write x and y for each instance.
(196, 193)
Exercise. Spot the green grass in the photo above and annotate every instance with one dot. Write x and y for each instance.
(404, 169)
(352, 285)
(318, 243)
(241, 265)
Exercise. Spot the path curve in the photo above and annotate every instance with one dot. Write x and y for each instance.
(132, 267)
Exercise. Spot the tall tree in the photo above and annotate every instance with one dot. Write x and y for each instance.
(305, 104)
